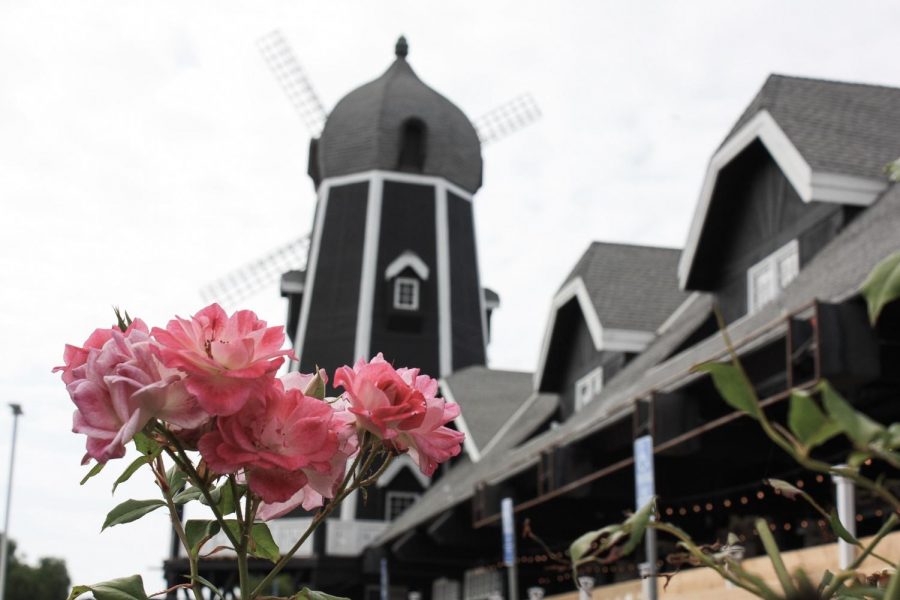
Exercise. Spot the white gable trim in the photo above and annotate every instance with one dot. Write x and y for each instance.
(810, 185)
(620, 340)
(469, 444)
(408, 259)
(402, 462)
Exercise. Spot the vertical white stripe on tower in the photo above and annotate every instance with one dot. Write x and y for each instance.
(361, 347)
(315, 245)
(442, 238)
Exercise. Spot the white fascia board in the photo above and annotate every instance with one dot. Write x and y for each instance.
(573, 289)
(616, 340)
(469, 444)
(395, 176)
(402, 462)
(810, 185)
(407, 259)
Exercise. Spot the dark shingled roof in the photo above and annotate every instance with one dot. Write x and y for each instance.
(363, 131)
(487, 398)
(632, 287)
(847, 128)
(833, 274)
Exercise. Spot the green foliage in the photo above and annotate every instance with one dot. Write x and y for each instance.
(807, 421)
(261, 545)
(224, 497)
(882, 286)
(732, 384)
(595, 543)
(48, 580)
(198, 532)
(130, 510)
(131, 469)
(125, 588)
(94, 470)
(316, 387)
(308, 594)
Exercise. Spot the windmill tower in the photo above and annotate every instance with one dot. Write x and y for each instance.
(392, 262)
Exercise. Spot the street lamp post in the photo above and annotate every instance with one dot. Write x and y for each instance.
(4, 549)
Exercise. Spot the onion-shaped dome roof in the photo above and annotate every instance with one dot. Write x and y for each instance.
(397, 123)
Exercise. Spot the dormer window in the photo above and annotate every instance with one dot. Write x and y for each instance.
(588, 387)
(412, 146)
(406, 293)
(767, 278)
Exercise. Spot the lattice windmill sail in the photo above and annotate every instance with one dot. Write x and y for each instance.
(246, 281)
(293, 80)
(507, 118)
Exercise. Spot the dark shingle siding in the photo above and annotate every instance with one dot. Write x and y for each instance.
(632, 287)
(363, 131)
(838, 127)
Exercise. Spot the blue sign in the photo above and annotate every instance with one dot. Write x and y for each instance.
(644, 481)
(385, 585)
(509, 536)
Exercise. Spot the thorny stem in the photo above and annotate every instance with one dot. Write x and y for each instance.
(760, 588)
(805, 461)
(160, 473)
(366, 447)
(181, 459)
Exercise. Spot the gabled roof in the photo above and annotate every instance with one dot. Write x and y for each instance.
(831, 140)
(834, 274)
(625, 292)
(631, 287)
(487, 399)
(838, 127)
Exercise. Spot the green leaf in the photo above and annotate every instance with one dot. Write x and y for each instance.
(580, 547)
(130, 510)
(122, 322)
(637, 525)
(125, 588)
(191, 493)
(175, 478)
(262, 544)
(316, 387)
(732, 386)
(224, 498)
(210, 585)
(839, 530)
(131, 469)
(308, 594)
(858, 427)
(807, 421)
(145, 444)
(771, 548)
(882, 286)
(94, 470)
(199, 531)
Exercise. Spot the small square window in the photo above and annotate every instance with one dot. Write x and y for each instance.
(588, 387)
(397, 502)
(768, 277)
(406, 293)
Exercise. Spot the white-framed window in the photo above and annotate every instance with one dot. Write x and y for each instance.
(768, 277)
(406, 293)
(588, 387)
(397, 502)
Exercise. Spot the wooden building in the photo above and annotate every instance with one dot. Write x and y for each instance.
(795, 210)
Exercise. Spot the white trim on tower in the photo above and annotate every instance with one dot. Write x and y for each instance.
(442, 239)
(361, 346)
(311, 263)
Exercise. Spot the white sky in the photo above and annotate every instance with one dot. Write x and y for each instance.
(145, 150)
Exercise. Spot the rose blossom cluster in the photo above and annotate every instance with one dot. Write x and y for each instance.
(211, 381)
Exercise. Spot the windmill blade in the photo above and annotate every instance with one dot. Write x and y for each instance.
(246, 281)
(293, 80)
(507, 118)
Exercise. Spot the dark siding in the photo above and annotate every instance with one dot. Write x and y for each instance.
(755, 211)
(465, 292)
(374, 505)
(407, 223)
(331, 330)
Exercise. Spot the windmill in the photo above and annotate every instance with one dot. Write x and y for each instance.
(249, 279)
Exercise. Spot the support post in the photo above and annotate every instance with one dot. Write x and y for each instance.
(509, 547)
(4, 549)
(845, 493)
(644, 490)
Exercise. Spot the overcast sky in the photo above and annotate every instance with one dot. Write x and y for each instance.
(145, 150)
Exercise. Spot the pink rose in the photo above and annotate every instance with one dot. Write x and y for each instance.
(227, 359)
(401, 407)
(282, 442)
(118, 385)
